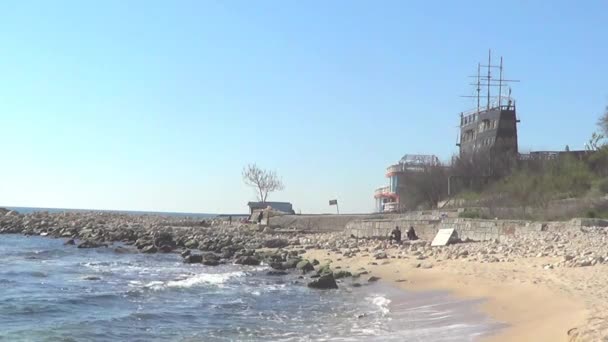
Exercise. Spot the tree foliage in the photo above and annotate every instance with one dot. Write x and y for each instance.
(426, 187)
(263, 181)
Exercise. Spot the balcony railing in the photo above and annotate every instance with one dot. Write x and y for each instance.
(385, 190)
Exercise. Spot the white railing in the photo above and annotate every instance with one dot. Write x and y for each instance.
(382, 191)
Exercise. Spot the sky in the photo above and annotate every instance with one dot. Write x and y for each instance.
(158, 105)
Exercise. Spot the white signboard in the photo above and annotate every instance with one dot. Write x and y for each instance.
(443, 237)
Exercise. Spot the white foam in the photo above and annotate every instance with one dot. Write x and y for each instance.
(204, 278)
(381, 302)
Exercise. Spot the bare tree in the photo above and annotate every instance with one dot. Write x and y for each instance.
(263, 181)
(603, 122)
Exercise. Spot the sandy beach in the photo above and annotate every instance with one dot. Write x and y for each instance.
(537, 304)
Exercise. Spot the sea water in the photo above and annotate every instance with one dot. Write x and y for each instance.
(52, 292)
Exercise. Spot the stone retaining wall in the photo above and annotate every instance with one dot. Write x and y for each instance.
(473, 229)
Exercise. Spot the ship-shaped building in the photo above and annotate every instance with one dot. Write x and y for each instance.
(490, 129)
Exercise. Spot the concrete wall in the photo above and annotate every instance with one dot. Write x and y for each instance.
(426, 223)
(316, 223)
(338, 223)
(473, 229)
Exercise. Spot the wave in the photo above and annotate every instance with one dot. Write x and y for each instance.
(189, 281)
(204, 278)
(381, 302)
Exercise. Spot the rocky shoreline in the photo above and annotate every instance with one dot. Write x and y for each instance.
(208, 242)
(215, 241)
(547, 254)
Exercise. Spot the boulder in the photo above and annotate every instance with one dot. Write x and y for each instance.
(372, 279)
(305, 266)
(277, 265)
(210, 262)
(276, 243)
(193, 259)
(291, 263)
(324, 282)
(164, 238)
(123, 250)
(70, 242)
(191, 244)
(91, 244)
(342, 274)
(186, 253)
(149, 249)
(380, 255)
(325, 269)
(247, 260)
(165, 248)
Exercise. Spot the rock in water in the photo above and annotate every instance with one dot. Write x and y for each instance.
(186, 253)
(324, 282)
(193, 259)
(70, 242)
(276, 273)
(210, 262)
(166, 248)
(91, 244)
(305, 266)
(247, 260)
(291, 263)
(342, 274)
(149, 249)
(372, 279)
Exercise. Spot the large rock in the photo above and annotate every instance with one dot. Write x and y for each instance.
(324, 282)
(380, 255)
(211, 262)
(276, 243)
(149, 249)
(164, 239)
(305, 266)
(248, 260)
(91, 244)
(193, 259)
(342, 274)
(191, 244)
(291, 263)
(165, 248)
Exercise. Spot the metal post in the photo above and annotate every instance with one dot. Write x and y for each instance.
(338, 208)
(500, 84)
(449, 186)
(489, 75)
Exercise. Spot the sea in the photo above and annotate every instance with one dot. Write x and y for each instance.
(52, 292)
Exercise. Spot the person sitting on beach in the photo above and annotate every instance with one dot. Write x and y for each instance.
(411, 234)
(396, 234)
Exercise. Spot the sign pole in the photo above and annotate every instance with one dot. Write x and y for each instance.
(338, 208)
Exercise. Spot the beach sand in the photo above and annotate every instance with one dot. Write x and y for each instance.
(536, 304)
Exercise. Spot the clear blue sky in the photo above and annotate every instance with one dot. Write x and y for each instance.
(150, 105)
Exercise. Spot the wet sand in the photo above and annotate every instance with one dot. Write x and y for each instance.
(537, 305)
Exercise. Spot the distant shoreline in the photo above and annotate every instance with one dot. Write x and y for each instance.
(27, 210)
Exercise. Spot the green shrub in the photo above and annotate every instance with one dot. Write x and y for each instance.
(470, 214)
(603, 186)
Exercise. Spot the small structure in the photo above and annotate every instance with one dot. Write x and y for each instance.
(284, 207)
(391, 198)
